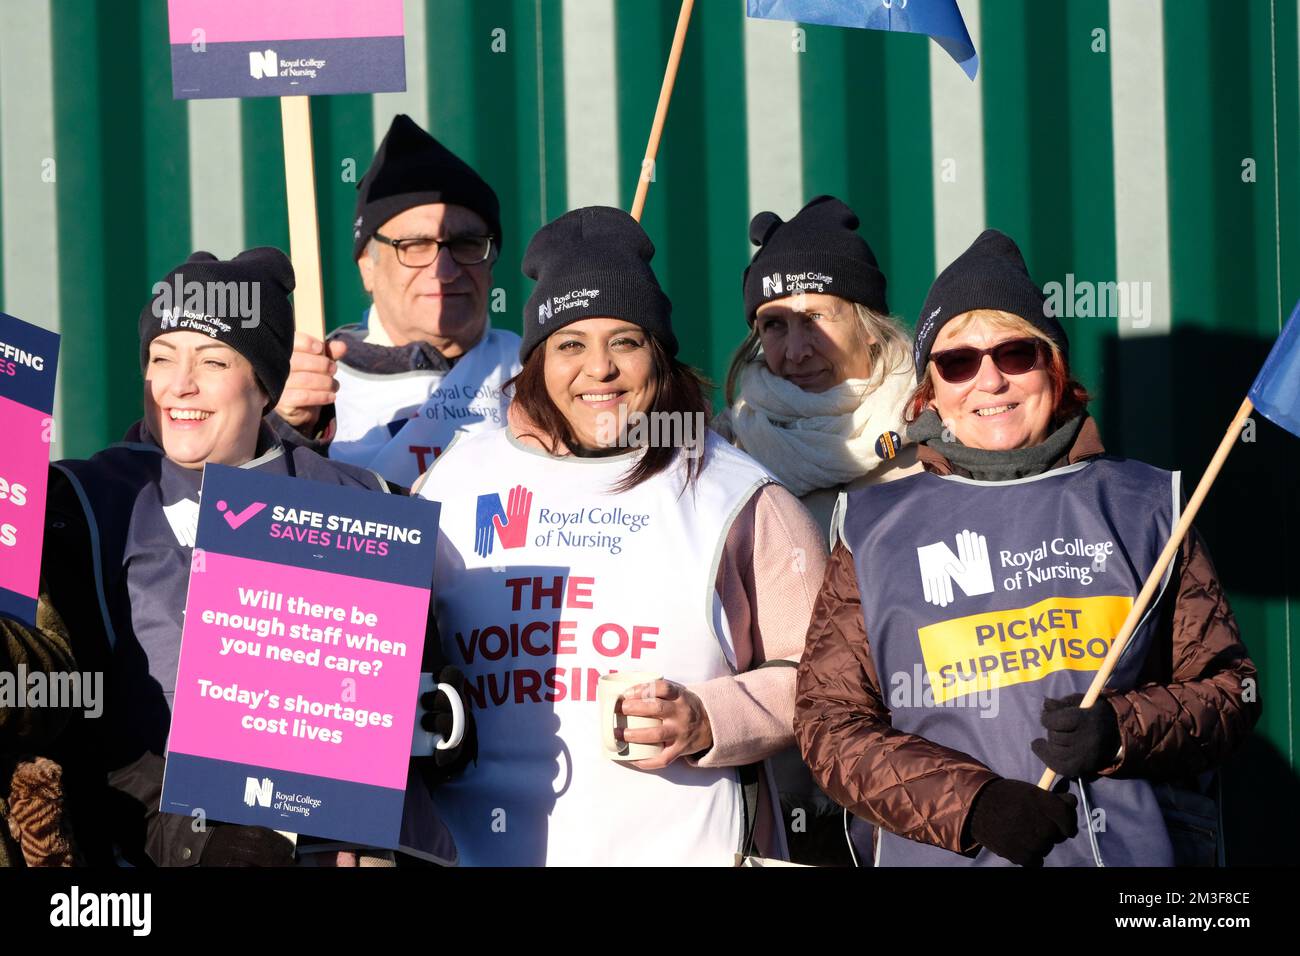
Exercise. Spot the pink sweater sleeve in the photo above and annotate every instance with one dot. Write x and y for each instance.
(768, 579)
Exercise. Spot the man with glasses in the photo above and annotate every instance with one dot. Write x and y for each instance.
(391, 392)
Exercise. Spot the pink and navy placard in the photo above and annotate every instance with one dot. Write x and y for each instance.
(29, 357)
(237, 48)
(300, 656)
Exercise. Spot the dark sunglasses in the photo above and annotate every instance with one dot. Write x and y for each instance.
(1013, 357)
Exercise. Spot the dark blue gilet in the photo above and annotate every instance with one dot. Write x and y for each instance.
(980, 599)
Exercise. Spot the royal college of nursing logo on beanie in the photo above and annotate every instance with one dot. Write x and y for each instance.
(796, 283)
(924, 332)
(573, 299)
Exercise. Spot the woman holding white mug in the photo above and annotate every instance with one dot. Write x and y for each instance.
(606, 530)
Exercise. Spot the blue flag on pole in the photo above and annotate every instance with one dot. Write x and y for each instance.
(938, 19)
(1276, 392)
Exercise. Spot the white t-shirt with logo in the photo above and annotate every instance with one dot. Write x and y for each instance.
(398, 423)
(544, 581)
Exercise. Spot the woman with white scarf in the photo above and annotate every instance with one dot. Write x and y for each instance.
(816, 395)
(817, 389)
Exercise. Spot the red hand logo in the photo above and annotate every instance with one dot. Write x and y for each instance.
(513, 532)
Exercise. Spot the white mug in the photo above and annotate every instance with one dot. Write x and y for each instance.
(609, 690)
(424, 742)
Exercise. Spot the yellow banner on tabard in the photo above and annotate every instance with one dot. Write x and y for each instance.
(1001, 648)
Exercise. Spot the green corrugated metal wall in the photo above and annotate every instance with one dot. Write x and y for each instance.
(1048, 146)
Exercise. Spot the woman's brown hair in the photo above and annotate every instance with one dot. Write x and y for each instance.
(679, 390)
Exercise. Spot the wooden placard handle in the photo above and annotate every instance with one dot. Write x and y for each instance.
(304, 228)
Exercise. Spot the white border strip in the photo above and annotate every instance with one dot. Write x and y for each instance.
(957, 138)
(774, 132)
(591, 105)
(415, 101)
(216, 177)
(30, 204)
(1137, 92)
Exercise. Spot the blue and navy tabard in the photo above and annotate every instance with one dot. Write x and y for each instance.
(981, 599)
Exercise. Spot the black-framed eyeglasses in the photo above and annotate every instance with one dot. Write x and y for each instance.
(421, 251)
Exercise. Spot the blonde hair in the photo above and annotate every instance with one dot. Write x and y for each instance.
(888, 346)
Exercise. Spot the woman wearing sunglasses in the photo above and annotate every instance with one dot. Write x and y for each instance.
(967, 609)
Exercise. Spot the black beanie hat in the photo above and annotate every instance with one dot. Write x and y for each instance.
(410, 169)
(819, 250)
(241, 302)
(593, 262)
(991, 274)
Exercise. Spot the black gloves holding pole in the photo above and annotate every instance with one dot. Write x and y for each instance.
(1021, 823)
(1080, 741)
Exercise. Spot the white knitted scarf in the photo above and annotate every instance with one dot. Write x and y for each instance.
(817, 440)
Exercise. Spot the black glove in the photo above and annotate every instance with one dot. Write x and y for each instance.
(437, 719)
(233, 845)
(1020, 822)
(1080, 741)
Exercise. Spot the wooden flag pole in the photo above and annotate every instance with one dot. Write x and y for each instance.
(304, 230)
(1162, 564)
(661, 112)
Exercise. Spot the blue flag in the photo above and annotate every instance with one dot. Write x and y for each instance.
(939, 19)
(1276, 392)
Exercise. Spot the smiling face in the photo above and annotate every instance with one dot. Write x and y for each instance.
(993, 410)
(202, 401)
(594, 367)
(814, 341)
(445, 303)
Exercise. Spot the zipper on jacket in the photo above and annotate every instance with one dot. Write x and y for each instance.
(1087, 816)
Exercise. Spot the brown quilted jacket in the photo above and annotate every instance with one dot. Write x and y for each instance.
(1187, 713)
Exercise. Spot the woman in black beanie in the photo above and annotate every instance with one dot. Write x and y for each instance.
(215, 340)
(816, 391)
(966, 610)
(816, 394)
(606, 530)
